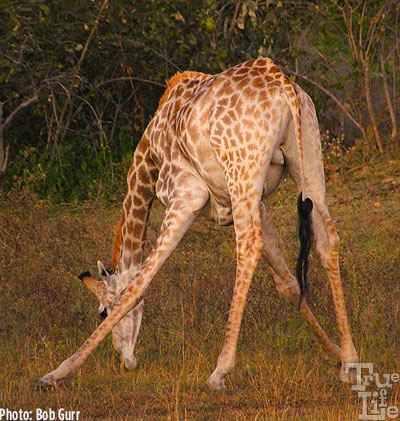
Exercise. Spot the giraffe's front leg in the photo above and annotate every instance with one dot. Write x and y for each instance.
(127, 354)
(127, 253)
(181, 212)
(248, 247)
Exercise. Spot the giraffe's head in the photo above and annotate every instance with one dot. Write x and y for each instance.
(108, 290)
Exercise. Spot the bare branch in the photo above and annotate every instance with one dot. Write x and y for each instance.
(233, 21)
(5, 162)
(331, 95)
(360, 40)
(370, 107)
(349, 26)
(395, 47)
(21, 52)
(23, 104)
(389, 101)
(94, 27)
(67, 102)
(371, 31)
(140, 44)
(137, 79)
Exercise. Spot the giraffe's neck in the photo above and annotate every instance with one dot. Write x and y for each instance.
(131, 231)
(143, 174)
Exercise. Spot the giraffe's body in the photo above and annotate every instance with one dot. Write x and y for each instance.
(209, 116)
(216, 145)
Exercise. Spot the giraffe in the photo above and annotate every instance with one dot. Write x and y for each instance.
(216, 146)
(141, 191)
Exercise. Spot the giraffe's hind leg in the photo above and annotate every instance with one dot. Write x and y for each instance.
(327, 245)
(327, 239)
(288, 286)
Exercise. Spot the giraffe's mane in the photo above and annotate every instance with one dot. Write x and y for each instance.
(117, 245)
(171, 83)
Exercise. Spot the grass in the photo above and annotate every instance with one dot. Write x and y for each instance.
(280, 375)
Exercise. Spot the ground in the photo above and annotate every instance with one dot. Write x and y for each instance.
(280, 375)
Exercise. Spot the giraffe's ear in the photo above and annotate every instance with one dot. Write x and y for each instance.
(97, 287)
(102, 270)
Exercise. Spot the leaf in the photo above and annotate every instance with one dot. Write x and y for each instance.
(44, 8)
(179, 17)
(210, 24)
(241, 18)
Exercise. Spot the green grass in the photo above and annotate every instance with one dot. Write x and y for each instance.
(46, 313)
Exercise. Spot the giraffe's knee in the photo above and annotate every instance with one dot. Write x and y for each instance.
(288, 289)
(333, 237)
(329, 259)
(329, 250)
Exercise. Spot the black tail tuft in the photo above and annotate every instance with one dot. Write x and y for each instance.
(304, 209)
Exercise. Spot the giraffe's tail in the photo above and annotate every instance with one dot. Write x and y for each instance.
(304, 204)
(304, 208)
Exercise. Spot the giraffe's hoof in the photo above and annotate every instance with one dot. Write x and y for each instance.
(348, 374)
(332, 355)
(216, 382)
(45, 382)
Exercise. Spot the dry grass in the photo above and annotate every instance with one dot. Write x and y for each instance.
(47, 313)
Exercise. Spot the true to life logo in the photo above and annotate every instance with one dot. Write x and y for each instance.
(374, 405)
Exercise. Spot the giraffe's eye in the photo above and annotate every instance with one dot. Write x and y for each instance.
(103, 314)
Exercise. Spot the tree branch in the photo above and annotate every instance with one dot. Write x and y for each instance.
(5, 161)
(11, 116)
(140, 44)
(94, 27)
(332, 96)
(153, 82)
(388, 100)
(67, 101)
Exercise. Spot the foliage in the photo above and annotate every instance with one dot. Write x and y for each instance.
(81, 79)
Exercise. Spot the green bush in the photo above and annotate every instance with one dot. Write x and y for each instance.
(80, 80)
